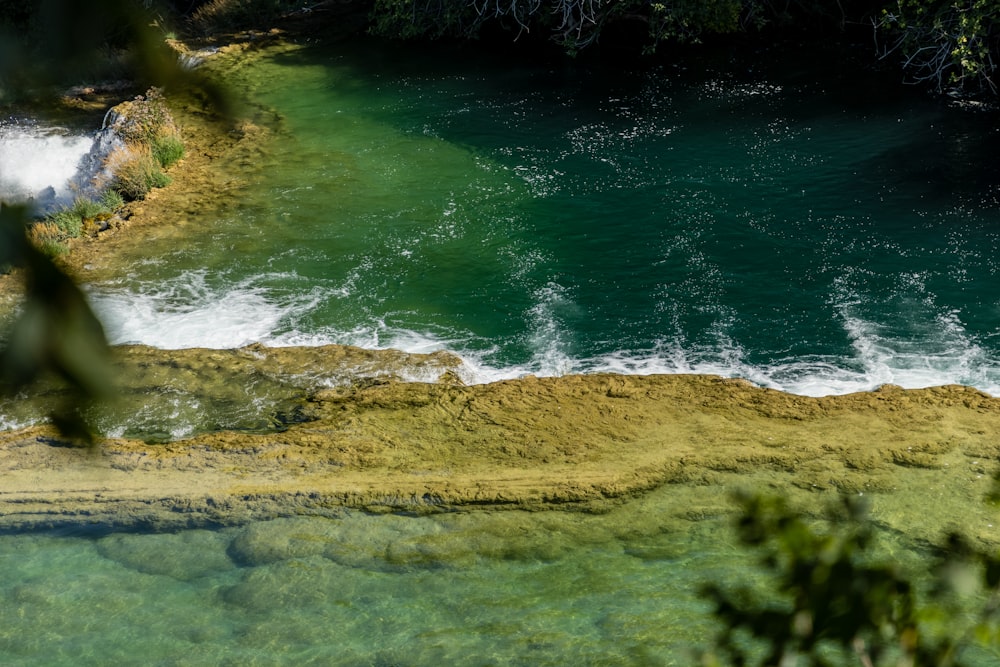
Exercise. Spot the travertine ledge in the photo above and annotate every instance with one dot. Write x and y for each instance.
(586, 442)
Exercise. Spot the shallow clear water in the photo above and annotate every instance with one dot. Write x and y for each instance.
(536, 218)
(124, 598)
(481, 588)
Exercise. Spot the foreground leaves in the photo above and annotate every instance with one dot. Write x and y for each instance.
(56, 333)
(836, 603)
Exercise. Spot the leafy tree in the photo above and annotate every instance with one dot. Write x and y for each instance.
(56, 332)
(838, 604)
(572, 23)
(953, 45)
(949, 44)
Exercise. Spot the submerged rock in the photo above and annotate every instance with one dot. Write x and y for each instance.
(589, 443)
(186, 555)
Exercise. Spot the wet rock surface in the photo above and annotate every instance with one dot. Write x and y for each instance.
(586, 443)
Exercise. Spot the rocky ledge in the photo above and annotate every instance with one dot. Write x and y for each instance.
(589, 443)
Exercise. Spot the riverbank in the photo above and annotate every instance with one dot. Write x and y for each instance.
(220, 159)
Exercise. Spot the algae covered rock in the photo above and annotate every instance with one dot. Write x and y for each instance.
(186, 555)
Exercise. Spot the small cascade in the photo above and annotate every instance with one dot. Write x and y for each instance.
(50, 166)
(91, 170)
(38, 163)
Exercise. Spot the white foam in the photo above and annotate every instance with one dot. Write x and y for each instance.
(190, 312)
(8, 423)
(34, 159)
(549, 338)
(933, 348)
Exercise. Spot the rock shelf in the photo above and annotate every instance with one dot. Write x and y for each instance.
(587, 443)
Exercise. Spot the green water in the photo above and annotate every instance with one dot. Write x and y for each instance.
(477, 589)
(814, 230)
(584, 607)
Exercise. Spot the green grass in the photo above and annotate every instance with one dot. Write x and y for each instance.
(167, 150)
(112, 200)
(70, 219)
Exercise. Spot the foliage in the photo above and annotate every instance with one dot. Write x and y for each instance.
(136, 171)
(145, 119)
(685, 20)
(69, 219)
(218, 16)
(838, 605)
(67, 222)
(949, 44)
(575, 24)
(152, 143)
(167, 150)
(111, 200)
(70, 222)
(48, 237)
(47, 45)
(56, 332)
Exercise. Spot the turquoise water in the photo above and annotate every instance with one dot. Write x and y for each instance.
(232, 598)
(508, 588)
(816, 237)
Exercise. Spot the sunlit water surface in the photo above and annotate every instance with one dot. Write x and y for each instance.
(805, 230)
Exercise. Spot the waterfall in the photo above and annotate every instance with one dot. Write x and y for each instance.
(91, 171)
(50, 166)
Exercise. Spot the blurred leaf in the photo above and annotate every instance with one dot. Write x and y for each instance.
(830, 593)
(71, 39)
(56, 332)
(53, 43)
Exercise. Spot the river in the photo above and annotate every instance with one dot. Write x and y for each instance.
(799, 224)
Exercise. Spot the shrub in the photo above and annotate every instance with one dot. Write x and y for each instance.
(167, 149)
(48, 237)
(67, 222)
(111, 200)
(833, 597)
(135, 171)
(233, 15)
(52, 248)
(152, 143)
(85, 208)
(71, 221)
(159, 180)
(144, 119)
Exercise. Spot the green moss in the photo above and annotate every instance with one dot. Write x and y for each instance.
(167, 150)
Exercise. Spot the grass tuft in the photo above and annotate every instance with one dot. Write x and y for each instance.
(136, 171)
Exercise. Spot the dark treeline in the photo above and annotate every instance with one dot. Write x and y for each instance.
(948, 46)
